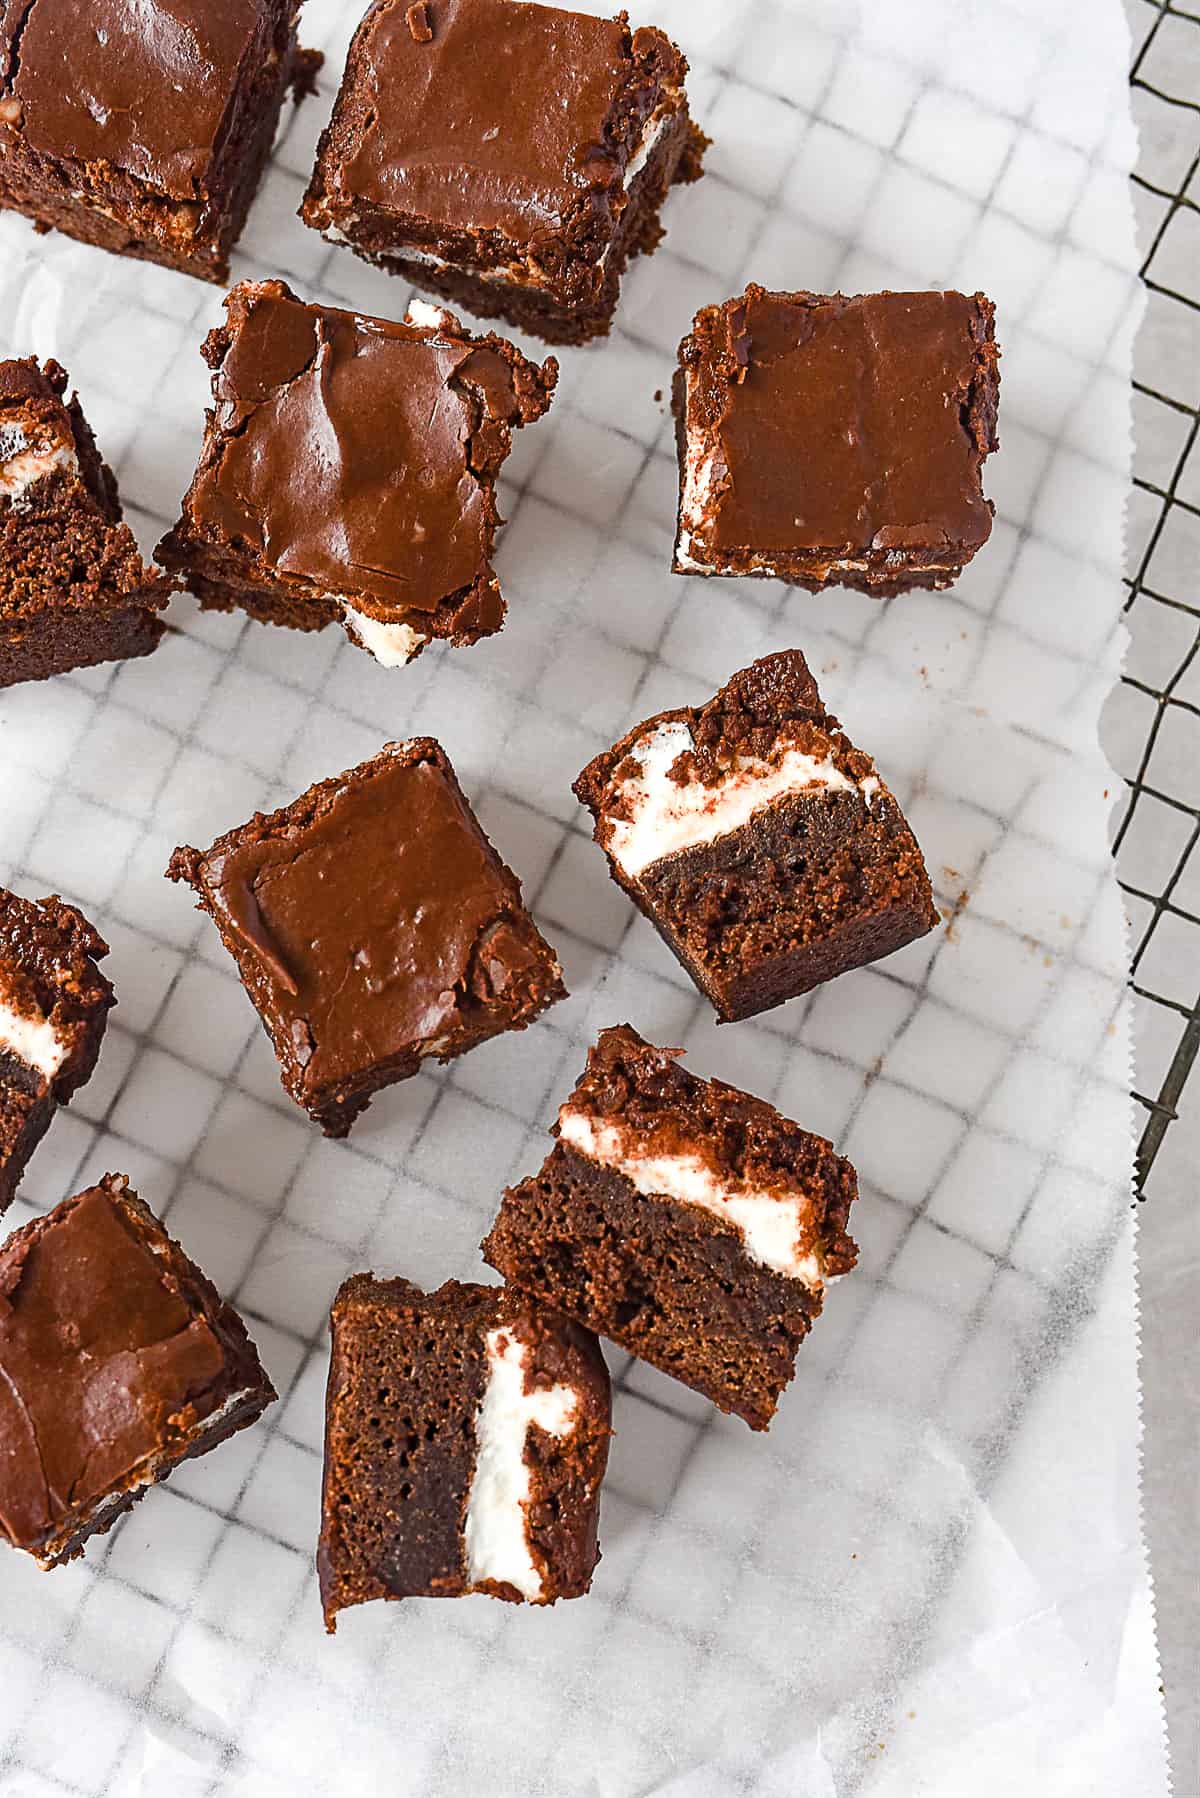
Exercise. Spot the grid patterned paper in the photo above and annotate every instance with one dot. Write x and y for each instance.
(929, 1577)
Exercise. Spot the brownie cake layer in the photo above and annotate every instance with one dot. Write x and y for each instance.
(383, 519)
(827, 441)
(54, 1005)
(73, 589)
(687, 1221)
(118, 1360)
(510, 157)
(762, 845)
(144, 129)
(374, 926)
(466, 1438)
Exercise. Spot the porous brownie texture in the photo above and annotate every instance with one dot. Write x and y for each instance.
(374, 926)
(144, 129)
(510, 157)
(834, 441)
(407, 1375)
(349, 468)
(74, 590)
(118, 1360)
(672, 1282)
(48, 979)
(816, 881)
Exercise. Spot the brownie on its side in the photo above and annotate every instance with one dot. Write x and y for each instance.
(466, 1436)
(73, 588)
(760, 843)
(827, 441)
(118, 1360)
(54, 1005)
(144, 129)
(348, 472)
(685, 1220)
(374, 926)
(510, 157)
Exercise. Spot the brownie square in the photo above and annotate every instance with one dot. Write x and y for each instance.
(510, 157)
(683, 1219)
(760, 843)
(348, 472)
(827, 441)
(54, 1006)
(374, 926)
(73, 589)
(144, 129)
(118, 1360)
(466, 1436)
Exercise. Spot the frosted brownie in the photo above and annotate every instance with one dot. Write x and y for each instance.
(348, 471)
(828, 441)
(510, 157)
(687, 1221)
(54, 1005)
(762, 845)
(144, 129)
(466, 1436)
(374, 926)
(118, 1360)
(73, 589)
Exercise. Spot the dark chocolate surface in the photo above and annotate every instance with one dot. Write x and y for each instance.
(357, 456)
(373, 920)
(492, 115)
(113, 1352)
(147, 88)
(844, 424)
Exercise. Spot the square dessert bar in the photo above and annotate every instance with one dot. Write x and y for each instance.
(760, 843)
(373, 925)
(144, 129)
(54, 1005)
(118, 1360)
(73, 588)
(466, 1436)
(684, 1220)
(510, 157)
(827, 441)
(348, 472)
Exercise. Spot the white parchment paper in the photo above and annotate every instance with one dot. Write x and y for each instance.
(929, 1578)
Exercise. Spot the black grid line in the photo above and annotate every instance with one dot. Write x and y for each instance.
(1162, 1108)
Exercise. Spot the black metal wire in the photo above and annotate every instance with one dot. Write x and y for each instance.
(1163, 1109)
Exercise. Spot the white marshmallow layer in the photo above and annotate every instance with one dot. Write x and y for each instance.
(769, 1224)
(392, 645)
(497, 1526)
(23, 465)
(666, 816)
(32, 1040)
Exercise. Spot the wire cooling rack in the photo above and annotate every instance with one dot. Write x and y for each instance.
(1164, 570)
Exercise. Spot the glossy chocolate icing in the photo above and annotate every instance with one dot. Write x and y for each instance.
(495, 121)
(146, 88)
(377, 923)
(842, 423)
(355, 453)
(104, 1361)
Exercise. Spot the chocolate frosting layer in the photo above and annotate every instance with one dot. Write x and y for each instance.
(147, 88)
(376, 921)
(355, 453)
(103, 1363)
(494, 121)
(844, 423)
